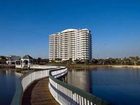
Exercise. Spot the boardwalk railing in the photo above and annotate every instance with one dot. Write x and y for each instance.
(66, 94)
(63, 93)
(26, 80)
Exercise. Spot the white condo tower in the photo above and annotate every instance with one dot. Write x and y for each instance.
(70, 43)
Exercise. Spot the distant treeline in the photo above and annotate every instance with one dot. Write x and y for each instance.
(117, 61)
(107, 61)
(40, 61)
(3, 59)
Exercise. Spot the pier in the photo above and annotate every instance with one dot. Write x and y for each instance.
(38, 94)
(42, 87)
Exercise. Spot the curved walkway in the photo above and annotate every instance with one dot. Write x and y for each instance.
(38, 94)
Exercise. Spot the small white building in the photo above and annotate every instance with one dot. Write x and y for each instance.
(11, 60)
(25, 62)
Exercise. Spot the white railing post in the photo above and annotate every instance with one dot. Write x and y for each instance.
(82, 101)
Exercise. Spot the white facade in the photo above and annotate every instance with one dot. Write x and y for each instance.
(25, 62)
(70, 43)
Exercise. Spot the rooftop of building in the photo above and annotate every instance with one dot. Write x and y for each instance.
(27, 57)
(68, 30)
(14, 58)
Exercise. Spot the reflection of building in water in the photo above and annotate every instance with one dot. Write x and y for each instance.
(7, 72)
(80, 79)
(2, 72)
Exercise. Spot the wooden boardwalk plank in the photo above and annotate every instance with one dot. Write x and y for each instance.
(38, 94)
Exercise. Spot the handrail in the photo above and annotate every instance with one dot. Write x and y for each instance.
(26, 80)
(64, 93)
(67, 94)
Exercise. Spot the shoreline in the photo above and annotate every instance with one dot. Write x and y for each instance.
(80, 66)
(126, 66)
(4, 66)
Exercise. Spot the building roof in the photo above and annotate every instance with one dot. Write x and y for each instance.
(27, 57)
(14, 58)
(67, 30)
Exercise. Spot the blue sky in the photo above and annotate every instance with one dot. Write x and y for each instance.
(26, 24)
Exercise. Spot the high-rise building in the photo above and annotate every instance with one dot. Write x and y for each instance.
(70, 44)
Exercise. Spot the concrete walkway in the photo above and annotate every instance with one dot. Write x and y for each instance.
(38, 94)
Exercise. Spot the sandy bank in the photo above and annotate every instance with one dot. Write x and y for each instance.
(125, 66)
(100, 66)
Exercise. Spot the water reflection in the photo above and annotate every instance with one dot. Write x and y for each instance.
(8, 80)
(117, 86)
(78, 79)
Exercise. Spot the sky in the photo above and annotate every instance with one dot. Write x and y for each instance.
(26, 24)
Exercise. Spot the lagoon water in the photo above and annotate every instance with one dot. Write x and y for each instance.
(8, 80)
(115, 85)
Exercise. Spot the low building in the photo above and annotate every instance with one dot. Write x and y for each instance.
(12, 59)
(24, 62)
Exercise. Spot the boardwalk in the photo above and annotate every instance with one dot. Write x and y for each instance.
(38, 94)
